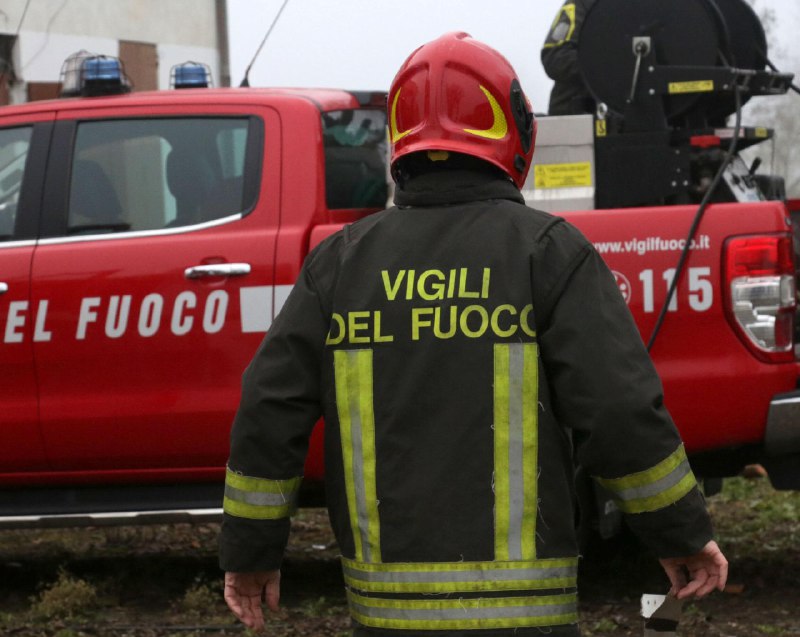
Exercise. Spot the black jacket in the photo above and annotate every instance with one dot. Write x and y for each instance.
(456, 344)
(569, 95)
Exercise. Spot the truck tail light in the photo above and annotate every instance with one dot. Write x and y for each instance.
(759, 277)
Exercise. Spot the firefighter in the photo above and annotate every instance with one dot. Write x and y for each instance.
(569, 95)
(456, 344)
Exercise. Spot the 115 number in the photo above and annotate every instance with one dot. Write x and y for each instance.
(701, 292)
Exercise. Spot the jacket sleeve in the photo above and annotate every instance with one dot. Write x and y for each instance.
(606, 390)
(279, 406)
(560, 50)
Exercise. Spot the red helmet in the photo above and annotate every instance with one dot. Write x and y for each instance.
(460, 95)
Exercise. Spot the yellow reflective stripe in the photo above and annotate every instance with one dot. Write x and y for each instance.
(648, 476)
(261, 485)
(366, 393)
(437, 567)
(515, 450)
(464, 613)
(655, 488)
(353, 380)
(568, 11)
(663, 499)
(340, 367)
(255, 512)
(500, 484)
(530, 438)
(460, 577)
(259, 498)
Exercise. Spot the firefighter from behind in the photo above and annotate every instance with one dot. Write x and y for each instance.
(569, 95)
(458, 344)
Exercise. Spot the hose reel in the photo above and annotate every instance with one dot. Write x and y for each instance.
(666, 75)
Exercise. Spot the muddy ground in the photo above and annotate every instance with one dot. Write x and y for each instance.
(163, 581)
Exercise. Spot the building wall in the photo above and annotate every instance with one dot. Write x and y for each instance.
(188, 22)
(51, 31)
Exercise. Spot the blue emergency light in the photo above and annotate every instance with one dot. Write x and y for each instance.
(102, 69)
(88, 74)
(190, 75)
(103, 75)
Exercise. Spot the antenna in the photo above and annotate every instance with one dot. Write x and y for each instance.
(245, 81)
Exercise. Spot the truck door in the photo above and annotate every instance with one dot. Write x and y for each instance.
(23, 147)
(157, 266)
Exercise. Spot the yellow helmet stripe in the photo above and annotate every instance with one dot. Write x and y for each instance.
(499, 126)
(396, 135)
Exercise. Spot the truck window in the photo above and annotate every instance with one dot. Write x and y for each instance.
(355, 158)
(148, 174)
(14, 143)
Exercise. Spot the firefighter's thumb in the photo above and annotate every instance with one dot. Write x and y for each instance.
(272, 593)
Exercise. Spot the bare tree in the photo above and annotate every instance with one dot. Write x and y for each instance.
(781, 156)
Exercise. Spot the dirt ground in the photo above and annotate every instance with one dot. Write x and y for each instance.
(163, 581)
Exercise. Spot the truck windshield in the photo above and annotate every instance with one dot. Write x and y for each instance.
(355, 158)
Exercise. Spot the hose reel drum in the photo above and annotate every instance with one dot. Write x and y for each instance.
(667, 73)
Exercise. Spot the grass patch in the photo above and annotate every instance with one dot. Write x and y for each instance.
(164, 582)
(319, 607)
(752, 518)
(200, 599)
(67, 598)
(605, 625)
(769, 629)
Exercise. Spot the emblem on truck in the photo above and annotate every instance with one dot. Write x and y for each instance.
(624, 285)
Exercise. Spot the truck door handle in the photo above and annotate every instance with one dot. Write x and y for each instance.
(3, 288)
(217, 269)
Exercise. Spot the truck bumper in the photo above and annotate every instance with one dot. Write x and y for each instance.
(782, 441)
(783, 425)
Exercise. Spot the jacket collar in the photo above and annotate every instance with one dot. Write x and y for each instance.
(455, 187)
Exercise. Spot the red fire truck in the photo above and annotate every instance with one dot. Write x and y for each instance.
(147, 241)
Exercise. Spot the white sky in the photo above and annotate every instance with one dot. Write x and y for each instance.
(360, 44)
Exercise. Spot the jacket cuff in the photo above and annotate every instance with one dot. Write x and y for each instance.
(679, 530)
(247, 546)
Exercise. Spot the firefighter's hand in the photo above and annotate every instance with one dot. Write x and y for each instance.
(244, 592)
(697, 575)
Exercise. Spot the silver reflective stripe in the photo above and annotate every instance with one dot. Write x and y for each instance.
(259, 498)
(532, 575)
(464, 613)
(489, 612)
(657, 487)
(256, 498)
(515, 450)
(483, 572)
